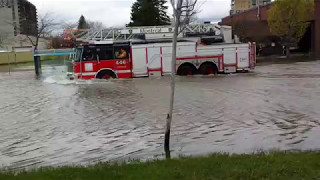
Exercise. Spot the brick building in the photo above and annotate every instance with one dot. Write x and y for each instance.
(252, 25)
(238, 6)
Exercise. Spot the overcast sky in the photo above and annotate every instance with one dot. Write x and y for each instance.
(116, 12)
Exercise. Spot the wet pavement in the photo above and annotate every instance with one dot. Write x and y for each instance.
(53, 121)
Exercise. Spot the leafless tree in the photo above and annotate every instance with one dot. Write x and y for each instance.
(93, 25)
(68, 25)
(188, 11)
(183, 10)
(96, 25)
(1, 41)
(46, 25)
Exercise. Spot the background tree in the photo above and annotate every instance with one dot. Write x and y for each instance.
(149, 13)
(183, 10)
(82, 23)
(96, 25)
(57, 42)
(288, 19)
(69, 25)
(68, 35)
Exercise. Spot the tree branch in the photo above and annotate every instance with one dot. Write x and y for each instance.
(31, 41)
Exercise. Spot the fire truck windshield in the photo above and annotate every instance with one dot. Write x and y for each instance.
(87, 53)
(78, 54)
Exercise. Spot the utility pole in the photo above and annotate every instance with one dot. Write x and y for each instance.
(177, 11)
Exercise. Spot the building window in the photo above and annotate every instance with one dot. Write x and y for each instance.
(254, 2)
(5, 3)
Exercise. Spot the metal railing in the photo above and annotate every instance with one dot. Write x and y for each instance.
(54, 52)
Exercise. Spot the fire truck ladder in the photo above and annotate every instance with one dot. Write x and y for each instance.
(140, 32)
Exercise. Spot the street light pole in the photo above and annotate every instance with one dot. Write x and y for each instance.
(258, 4)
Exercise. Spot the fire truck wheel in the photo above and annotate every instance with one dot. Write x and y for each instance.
(107, 74)
(186, 69)
(208, 68)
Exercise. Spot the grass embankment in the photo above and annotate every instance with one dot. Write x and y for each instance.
(279, 165)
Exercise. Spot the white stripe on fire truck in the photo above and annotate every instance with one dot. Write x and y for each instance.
(123, 71)
(94, 73)
(88, 74)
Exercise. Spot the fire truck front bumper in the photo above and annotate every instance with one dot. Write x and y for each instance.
(70, 75)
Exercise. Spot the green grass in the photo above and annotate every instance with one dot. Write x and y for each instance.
(277, 165)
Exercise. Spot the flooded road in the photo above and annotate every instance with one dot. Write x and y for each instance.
(53, 121)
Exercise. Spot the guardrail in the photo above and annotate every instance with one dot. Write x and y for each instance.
(54, 52)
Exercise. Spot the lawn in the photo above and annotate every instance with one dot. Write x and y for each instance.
(276, 165)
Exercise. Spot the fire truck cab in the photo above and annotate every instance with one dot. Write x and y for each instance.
(103, 61)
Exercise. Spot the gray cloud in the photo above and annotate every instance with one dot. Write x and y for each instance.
(116, 12)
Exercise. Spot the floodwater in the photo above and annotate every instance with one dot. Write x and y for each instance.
(53, 121)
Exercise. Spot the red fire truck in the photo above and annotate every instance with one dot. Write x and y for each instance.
(104, 59)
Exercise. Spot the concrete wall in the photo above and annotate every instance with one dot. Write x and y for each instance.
(22, 41)
(18, 58)
(6, 26)
(16, 18)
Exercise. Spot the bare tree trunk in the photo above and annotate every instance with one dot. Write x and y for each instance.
(173, 73)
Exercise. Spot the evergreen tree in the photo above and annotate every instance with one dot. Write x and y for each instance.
(149, 13)
(164, 19)
(82, 24)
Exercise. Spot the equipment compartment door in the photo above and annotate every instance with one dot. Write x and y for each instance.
(243, 57)
(139, 61)
(154, 59)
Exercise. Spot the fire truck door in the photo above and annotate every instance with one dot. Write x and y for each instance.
(139, 61)
(90, 62)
